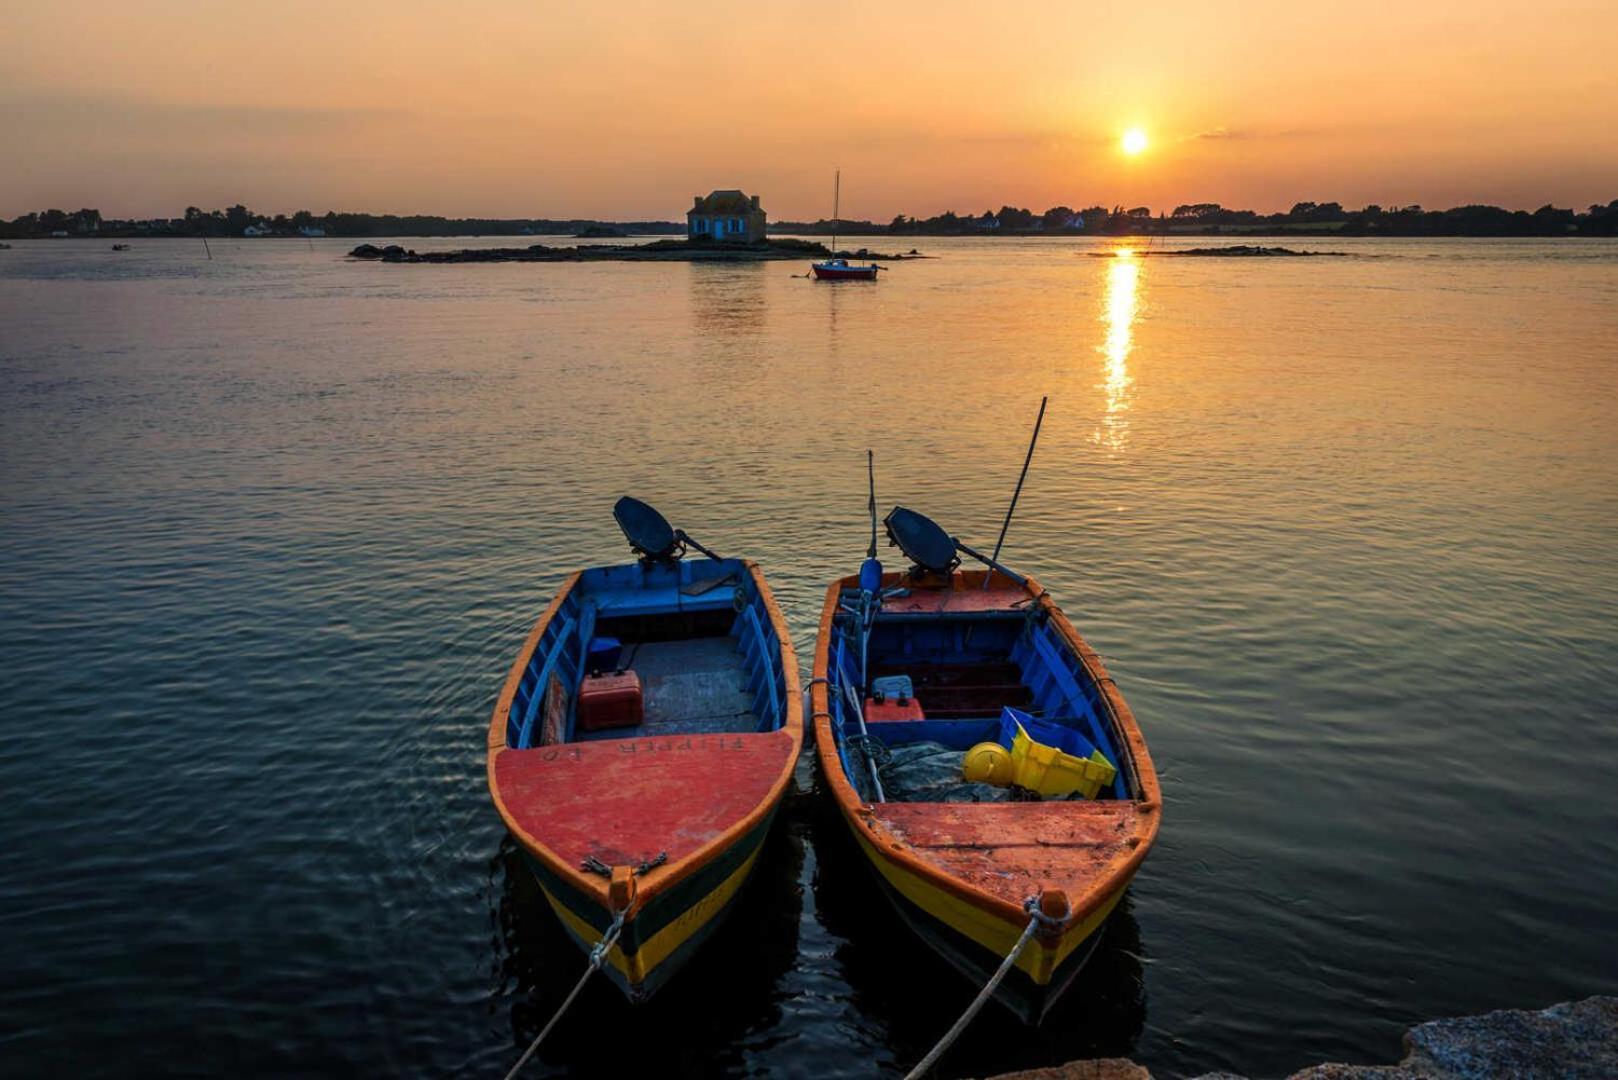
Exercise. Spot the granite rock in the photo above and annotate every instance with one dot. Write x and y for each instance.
(1577, 1040)
(1095, 1069)
(1574, 1040)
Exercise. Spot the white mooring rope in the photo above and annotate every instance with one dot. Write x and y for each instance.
(1035, 919)
(598, 956)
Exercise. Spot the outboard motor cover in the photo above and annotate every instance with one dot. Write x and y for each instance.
(647, 531)
(922, 540)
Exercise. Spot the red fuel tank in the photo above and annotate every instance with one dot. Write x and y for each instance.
(610, 701)
(893, 708)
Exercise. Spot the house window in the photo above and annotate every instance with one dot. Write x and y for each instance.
(735, 224)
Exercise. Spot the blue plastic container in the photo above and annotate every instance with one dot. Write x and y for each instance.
(603, 654)
(1052, 760)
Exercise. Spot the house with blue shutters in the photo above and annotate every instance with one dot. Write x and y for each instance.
(726, 216)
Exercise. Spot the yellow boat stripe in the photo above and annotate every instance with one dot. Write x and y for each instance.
(657, 948)
(996, 935)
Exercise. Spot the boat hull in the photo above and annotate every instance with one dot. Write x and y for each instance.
(662, 936)
(1047, 968)
(843, 273)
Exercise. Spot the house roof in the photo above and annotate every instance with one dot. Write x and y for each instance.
(724, 201)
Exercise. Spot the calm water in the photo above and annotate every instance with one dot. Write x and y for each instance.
(275, 524)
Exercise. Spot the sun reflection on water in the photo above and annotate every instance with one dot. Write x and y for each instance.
(1120, 306)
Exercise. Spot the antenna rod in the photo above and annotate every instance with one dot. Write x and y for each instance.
(1012, 509)
(870, 472)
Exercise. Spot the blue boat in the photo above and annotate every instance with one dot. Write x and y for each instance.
(981, 661)
(642, 744)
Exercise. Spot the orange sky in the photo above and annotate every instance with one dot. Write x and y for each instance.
(520, 108)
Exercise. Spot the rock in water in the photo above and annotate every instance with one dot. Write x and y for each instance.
(1097, 1069)
(1575, 1039)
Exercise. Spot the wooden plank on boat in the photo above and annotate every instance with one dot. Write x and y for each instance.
(1014, 850)
(958, 601)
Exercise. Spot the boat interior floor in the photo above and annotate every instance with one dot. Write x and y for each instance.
(693, 686)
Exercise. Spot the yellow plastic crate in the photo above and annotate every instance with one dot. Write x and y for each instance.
(1051, 772)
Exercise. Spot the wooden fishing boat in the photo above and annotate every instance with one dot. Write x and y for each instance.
(969, 876)
(642, 743)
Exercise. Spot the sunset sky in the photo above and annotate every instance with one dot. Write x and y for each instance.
(625, 110)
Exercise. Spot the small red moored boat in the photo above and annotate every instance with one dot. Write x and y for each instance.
(840, 270)
(837, 268)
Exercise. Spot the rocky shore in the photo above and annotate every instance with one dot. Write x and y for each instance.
(1577, 1040)
(1229, 251)
(656, 251)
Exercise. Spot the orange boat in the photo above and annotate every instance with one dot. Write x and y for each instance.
(939, 656)
(642, 743)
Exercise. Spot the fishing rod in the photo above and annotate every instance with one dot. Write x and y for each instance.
(994, 560)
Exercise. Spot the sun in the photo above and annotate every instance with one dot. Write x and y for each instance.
(1134, 141)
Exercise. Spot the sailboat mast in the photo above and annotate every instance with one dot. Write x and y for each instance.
(836, 208)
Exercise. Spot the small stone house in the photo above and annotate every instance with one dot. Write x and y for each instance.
(727, 216)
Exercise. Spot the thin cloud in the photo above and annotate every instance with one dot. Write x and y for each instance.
(1223, 133)
(124, 113)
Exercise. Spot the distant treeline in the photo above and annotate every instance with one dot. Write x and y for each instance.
(1189, 218)
(1213, 219)
(238, 220)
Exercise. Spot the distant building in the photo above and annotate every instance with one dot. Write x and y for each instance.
(988, 221)
(260, 229)
(311, 231)
(727, 216)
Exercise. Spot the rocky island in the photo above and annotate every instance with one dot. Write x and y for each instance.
(1228, 251)
(656, 251)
